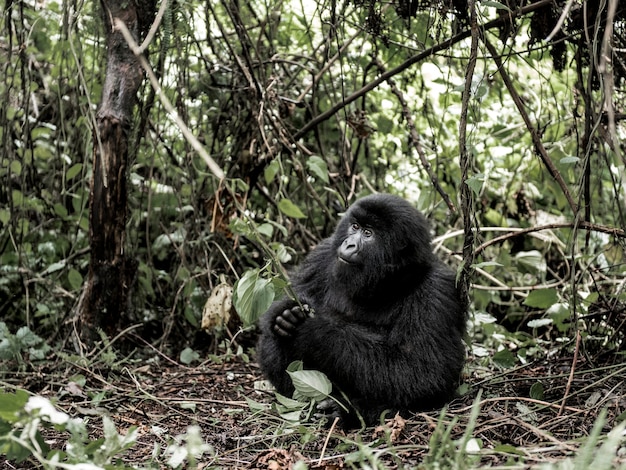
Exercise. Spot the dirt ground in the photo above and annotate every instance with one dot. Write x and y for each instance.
(163, 398)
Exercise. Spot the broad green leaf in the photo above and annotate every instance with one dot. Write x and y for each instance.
(11, 404)
(541, 298)
(318, 167)
(560, 314)
(270, 171)
(256, 405)
(539, 322)
(289, 403)
(16, 167)
(569, 160)
(266, 229)
(26, 337)
(60, 210)
(188, 355)
(5, 216)
(54, 267)
(75, 279)
(290, 209)
(295, 365)
(476, 183)
(533, 260)
(536, 391)
(253, 296)
(311, 384)
(496, 5)
(73, 171)
(504, 358)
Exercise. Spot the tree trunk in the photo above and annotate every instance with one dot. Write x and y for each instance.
(111, 270)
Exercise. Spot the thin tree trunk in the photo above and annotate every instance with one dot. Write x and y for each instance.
(111, 269)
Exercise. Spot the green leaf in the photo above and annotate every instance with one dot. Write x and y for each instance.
(536, 391)
(270, 171)
(311, 384)
(5, 216)
(188, 355)
(532, 260)
(16, 167)
(11, 404)
(504, 358)
(266, 230)
(508, 449)
(318, 167)
(253, 296)
(541, 298)
(75, 279)
(290, 209)
(60, 210)
(289, 403)
(569, 160)
(26, 338)
(496, 5)
(54, 267)
(73, 171)
(486, 264)
(256, 405)
(476, 183)
(539, 322)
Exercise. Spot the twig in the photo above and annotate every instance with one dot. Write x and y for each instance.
(616, 232)
(570, 379)
(330, 431)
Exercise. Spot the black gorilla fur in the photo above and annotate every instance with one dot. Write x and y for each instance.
(386, 323)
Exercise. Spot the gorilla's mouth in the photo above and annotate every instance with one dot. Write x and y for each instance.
(344, 261)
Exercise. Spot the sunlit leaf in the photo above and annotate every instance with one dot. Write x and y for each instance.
(504, 358)
(476, 183)
(253, 296)
(311, 384)
(496, 5)
(290, 209)
(539, 322)
(532, 259)
(188, 355)
(318, 167)
(73, 171)
(541, 298)
(270, 171)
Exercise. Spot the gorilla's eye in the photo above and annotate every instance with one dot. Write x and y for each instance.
(367, 232)
(356, 226)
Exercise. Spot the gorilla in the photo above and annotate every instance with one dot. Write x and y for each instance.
(378, 313)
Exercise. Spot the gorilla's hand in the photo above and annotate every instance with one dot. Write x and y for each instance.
(286, 323)
(330, 410)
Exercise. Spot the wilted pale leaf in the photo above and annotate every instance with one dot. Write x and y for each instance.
(216, 312)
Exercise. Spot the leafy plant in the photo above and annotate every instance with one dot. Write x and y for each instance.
(13, 346)
(22, 419)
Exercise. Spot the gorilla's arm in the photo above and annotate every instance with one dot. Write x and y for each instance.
(419, 356)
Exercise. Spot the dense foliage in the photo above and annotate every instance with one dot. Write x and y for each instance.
(297, 104)
(502, 121)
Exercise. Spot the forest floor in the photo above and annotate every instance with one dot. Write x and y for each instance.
(163, 398)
